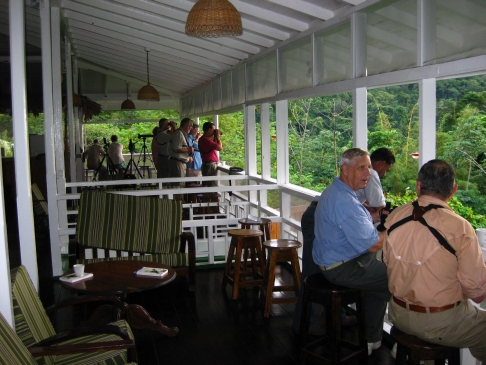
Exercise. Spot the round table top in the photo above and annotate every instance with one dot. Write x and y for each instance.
(245, 232)
(250, 222)
(118, 277)
(282, 243)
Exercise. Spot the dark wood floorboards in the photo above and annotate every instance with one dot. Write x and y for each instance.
(214, 329)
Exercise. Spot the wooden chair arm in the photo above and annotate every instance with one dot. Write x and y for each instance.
(45, 347)
(86, 347)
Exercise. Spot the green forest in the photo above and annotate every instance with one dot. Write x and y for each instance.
(320, 129)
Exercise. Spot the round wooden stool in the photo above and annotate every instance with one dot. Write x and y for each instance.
(281, 250)
(417, 350)
(242, 240)
(263, 224)
(329, 348)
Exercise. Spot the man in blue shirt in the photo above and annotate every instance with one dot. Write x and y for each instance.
(346, 241)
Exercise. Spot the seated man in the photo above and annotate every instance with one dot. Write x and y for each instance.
(382, 160)
(431, 276)
(346, 242)
(92, 154)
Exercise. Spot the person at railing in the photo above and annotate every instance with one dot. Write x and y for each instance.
(92, 154)
(179, 151)
(166, 128)
(194, 167)
(434, 265)
(209, 143)
(382, 160)
(153, 147)
(346, 242)
(115, 151)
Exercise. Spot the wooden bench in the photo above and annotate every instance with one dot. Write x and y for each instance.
(149, 226)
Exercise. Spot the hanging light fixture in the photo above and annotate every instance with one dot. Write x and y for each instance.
(127, 104)
(148, 92)
(213, 18)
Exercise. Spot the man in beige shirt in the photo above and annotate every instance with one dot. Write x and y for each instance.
(431, 281)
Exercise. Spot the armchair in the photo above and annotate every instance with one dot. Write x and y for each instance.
(85, 345)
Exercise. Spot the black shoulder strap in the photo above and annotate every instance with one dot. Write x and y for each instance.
(417, 215)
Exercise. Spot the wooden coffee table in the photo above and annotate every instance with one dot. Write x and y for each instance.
(118, 278)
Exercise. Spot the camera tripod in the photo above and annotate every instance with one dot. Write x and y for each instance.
(132, 163)
(145, 154)
(109, 164)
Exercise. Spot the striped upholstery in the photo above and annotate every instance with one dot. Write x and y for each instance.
(32, 325)
(129, 223)
(12, 350)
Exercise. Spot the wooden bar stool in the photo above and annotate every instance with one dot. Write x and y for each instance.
(244, 239)
(332, 349)
(417, 350)
(263, 224)
(281, 250)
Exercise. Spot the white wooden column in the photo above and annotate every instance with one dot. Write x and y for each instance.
(282, 127)
(21, 142)
(426, 28)
(360, 118)
(6, 307)
(427, 124)
(266, 155)
(250, 140)
(70, 111)
(45, 16)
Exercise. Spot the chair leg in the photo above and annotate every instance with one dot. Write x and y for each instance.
(455, 358)
(401, 356)
(296, 274)
(270, 280)
(227, 270)
(236, 277)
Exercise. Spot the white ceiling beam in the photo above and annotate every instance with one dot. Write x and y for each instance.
(175, 19)
(150, 43)
(352, 2)
(305, 8)
(391, 39)
(159, 35)
(254, 11)
(85, 65)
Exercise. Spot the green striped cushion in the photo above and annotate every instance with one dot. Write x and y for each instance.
(171, 259)
(129, 223)
(31, 321)
(12, 350)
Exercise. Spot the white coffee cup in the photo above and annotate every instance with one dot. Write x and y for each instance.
(481, 232)
(78, 270)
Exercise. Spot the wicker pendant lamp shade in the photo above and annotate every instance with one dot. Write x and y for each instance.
(128, 104)
(213, 18)
(148, 92)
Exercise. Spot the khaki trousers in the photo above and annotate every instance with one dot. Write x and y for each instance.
(461, 326)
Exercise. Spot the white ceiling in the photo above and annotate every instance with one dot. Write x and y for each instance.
(109, 37)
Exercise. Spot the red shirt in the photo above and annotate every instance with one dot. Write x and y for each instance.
(207, 147)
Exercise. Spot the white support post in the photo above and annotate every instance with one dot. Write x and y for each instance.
(45, 16)
(58, 122)
(426, 31)
(282, 127)
(216, 124)
(6, 307)
(21, 142)
(250, 140)
(358, 44)
(266, 156)
(70, 111)
(427, 123)
(360, 118)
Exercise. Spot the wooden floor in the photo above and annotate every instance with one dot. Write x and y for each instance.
(214, 329)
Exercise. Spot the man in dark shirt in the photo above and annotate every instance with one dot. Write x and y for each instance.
(209, 143)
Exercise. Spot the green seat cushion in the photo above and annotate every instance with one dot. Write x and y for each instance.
(12, 350)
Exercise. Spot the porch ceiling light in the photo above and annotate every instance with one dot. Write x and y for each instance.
(148, 92)
(213, 18)
(128, 104)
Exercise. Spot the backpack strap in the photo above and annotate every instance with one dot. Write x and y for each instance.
(417, 215)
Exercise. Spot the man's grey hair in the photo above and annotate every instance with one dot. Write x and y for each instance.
(348, 156)
(185, 122)
(437, 178)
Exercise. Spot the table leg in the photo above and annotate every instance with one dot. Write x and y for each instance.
(138, 317)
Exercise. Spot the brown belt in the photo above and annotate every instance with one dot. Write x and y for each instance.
(420, 309)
